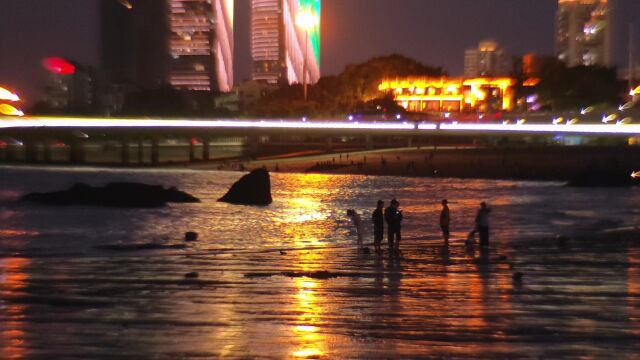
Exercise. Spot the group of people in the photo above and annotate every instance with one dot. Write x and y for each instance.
(392, 216)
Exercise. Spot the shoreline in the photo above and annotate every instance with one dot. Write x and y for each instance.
(519, 164)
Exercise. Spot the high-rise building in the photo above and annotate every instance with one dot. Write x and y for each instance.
(201, 44)
(583, 32)
(280, 45)
(134, 42)
(488, 59)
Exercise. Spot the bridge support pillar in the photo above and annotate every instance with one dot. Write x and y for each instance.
(46, 151)
(368, 140)
(140, 151)
(252, 147)
(206, 149)
(155, 151)
(77, 151)
(10, 153)
(124, 148)
(192, 149)
(30, 151)
(329, 146)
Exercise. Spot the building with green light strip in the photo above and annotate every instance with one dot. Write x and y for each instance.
(279, 45)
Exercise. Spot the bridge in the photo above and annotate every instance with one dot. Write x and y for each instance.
(36, 139)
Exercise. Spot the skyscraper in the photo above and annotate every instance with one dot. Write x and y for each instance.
(583, 32)
(279, 45)
(201, 44)
(488, 59)
(134, 42)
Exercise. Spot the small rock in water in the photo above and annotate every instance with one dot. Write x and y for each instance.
(190, 236)
(517, 276)
(192, 275)
(282, 252)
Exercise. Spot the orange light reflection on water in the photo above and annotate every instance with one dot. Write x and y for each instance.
(308, 225)
(12, 335)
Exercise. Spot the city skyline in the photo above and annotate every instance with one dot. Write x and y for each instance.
(354, 31)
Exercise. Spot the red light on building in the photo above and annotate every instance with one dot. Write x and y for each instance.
(58, 66)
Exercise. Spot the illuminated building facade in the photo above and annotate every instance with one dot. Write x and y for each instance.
(423, 94)
(488, 59)
(279, 45)
(201, 44)
(583, 32)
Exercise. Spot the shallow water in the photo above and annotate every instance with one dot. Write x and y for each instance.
(65, 294)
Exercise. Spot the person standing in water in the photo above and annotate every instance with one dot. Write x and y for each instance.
(482, 224)
(378, 225)
(393, 217)
(445, 219)
(357, 222)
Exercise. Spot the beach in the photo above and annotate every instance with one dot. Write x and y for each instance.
(289, 280)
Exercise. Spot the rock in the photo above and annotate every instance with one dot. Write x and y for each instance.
(192, 275)
(283, 252)
(122, 195)
(190, 236)
(252, 189)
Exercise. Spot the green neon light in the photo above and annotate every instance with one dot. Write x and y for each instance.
(314, 6)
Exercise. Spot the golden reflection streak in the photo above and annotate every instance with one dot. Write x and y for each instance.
(13, 276)
(633, 287)
(305, 224)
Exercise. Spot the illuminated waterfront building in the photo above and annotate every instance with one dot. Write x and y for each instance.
(279, 46)
(583, 32)
(424, 94)
(488, 59)
(201, 44)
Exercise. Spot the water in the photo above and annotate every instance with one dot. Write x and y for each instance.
(63, 294)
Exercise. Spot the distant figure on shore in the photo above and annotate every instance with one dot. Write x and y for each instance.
(393, 217)
(445, 219)
(482, 224)
(357, 222)
(378, 225)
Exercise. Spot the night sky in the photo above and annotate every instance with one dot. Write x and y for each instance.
(435, 32)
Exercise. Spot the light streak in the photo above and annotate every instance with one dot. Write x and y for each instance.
(88, 123)
(635, 174)
(157, 123)
(8, 95)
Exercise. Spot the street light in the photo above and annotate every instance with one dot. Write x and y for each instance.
(306, 20)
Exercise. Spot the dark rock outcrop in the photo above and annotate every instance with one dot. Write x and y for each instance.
(252, 189)
(123, 195)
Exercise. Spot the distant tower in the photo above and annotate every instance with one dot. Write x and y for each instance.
(278, 44)
(134, 42)
(201, 44)
(583, 32)
(486, 60)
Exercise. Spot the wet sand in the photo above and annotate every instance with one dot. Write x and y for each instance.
(579, 298)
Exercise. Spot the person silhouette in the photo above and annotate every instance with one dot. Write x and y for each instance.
(445, 220)
(377, 217)
(393, 216)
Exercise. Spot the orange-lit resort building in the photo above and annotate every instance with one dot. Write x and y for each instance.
(424, 94)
